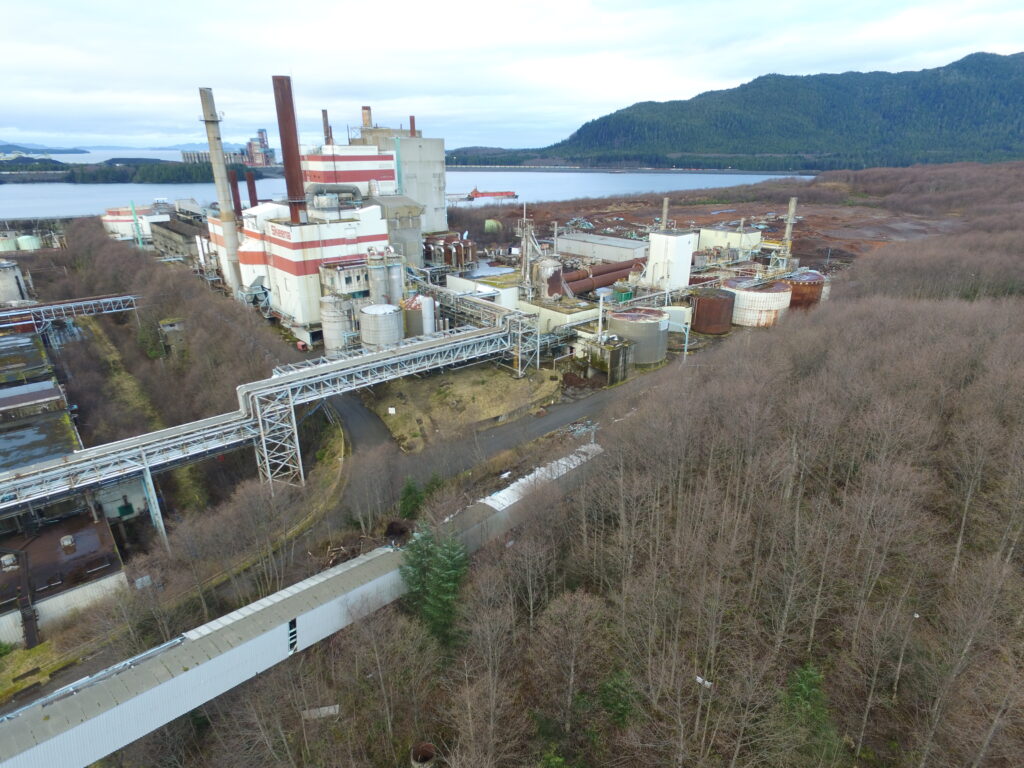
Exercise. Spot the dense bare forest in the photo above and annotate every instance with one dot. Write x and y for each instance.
(800, 549)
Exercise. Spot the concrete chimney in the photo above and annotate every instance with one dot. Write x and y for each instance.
(367, 118)
(328, 132)
(228, 254)
(664, 213)
(412, 126)
(290, 148)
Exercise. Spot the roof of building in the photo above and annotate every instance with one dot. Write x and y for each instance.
(617, 242)
(178, 227)
(26, 394)
(38, 438)
(22, 358)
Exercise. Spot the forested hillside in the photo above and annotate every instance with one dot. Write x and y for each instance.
(968, 110)
(802, 548)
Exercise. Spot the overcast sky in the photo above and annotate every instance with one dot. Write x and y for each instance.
(520, 73)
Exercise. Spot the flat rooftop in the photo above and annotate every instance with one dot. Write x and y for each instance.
(23, 358)
(53, 568)
(33, 393)
(37, 438)
(617, 242)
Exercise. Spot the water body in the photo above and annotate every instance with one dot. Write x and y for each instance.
(23, 201)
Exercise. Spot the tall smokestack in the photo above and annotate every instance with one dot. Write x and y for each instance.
(228, 255)
(290, 148)
(790, 220)
(250, 182)
(367, 118)
(328, 132)
(412, 126)
(236, 193)
(664, 213)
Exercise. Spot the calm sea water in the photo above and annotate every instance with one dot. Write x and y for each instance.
(20, 201)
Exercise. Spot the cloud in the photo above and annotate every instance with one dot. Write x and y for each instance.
(517, 74)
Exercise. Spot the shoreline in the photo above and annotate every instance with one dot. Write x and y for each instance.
(578, 169)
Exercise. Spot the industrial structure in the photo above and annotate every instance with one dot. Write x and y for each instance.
(87, 720)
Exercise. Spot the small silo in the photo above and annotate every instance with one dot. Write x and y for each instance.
(336, 322)
(8, 241)
(419, 315)
(380, 326)
(758, 306)
(378, 273)
(646, 328)
(12, 288)
(396, 280)
(29, 243)
(712, 311)
(806, 287)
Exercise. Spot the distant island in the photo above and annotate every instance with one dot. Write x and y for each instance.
(966, 111)
(118, 170)
(7, 148)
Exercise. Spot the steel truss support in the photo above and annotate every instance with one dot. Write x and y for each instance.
(39, 315)
(277, 451)
(153, 503)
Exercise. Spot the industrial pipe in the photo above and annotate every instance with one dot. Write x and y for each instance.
(228, 254)
(290, 148)
(250, 183)
(603, 269)
(236, 193)
(589, 284)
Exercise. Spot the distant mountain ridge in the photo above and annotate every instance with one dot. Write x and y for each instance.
(7, 147)
(968, 110)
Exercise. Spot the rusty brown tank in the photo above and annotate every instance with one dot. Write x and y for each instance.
(806, 288)
(712, 311)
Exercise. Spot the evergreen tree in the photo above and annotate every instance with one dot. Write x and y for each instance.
(410, 500)
(433, 571)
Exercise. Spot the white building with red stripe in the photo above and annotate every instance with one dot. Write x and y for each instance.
(283, 259)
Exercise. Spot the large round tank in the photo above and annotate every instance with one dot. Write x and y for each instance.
(10, 282)
(758, 306)
(646, 328)
(8, 242)
(336, 322)
(806, 288)
(380, 325)
(712, 311)
(29, 243)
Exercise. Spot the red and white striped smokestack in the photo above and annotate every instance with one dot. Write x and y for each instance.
(290, 148)
(250, 182)
(367, 118)
(412, 126)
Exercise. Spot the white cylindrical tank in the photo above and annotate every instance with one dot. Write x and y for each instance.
(758, 306)
(29, 243)
(380, 326)
(378, 280)
(646, 328)
(12, 288)
(677, 317)
(336, 322)
(8, 242)
(396, 282)
(427, 307)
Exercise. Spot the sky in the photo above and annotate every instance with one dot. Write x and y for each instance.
(524, 73)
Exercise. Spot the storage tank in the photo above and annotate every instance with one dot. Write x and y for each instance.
(396, 281)
(8, 242)
(758, 306)
(419, 315)
(806, 287)
(712, 311)
(547, 277)
(678, 316)
(11, 286)
(336, 322)
(29, 243)
(380, 325)
(378, 273)
(646, 328)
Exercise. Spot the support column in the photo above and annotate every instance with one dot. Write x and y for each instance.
(154, 506)
(278, 454)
